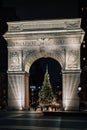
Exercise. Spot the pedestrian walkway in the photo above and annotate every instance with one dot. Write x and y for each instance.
(31, 120)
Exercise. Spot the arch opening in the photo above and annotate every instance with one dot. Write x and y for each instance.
(36, 78)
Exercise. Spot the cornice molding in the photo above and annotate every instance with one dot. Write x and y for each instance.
(44, 25)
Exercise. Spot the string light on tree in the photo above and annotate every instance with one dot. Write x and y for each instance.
(46, 95)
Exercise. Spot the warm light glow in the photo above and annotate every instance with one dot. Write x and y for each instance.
(84, 46)
(84, 58)
(20, 108)
(65, 108)
(70, 91)
(79, 88)
(15, 94)
(50, 109)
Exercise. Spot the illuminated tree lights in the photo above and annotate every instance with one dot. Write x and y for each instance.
(46, 95)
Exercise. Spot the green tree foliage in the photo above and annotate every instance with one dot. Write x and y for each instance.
(46, 94)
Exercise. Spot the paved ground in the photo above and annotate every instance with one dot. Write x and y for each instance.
(24, 120)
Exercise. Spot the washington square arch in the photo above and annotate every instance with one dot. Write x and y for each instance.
(29, 41)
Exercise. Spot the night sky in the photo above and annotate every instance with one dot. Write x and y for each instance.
(35, 9)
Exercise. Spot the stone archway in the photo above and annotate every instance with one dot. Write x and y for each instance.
(29, 62)
(30, 40)
(30, 59)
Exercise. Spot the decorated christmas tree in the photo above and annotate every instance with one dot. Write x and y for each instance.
(46, 94)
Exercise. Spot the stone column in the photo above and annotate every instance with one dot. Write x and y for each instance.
(16, 95)
(26, 91)
(70, 85)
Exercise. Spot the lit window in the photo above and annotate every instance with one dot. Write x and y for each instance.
(84, 58)
(83, 45)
